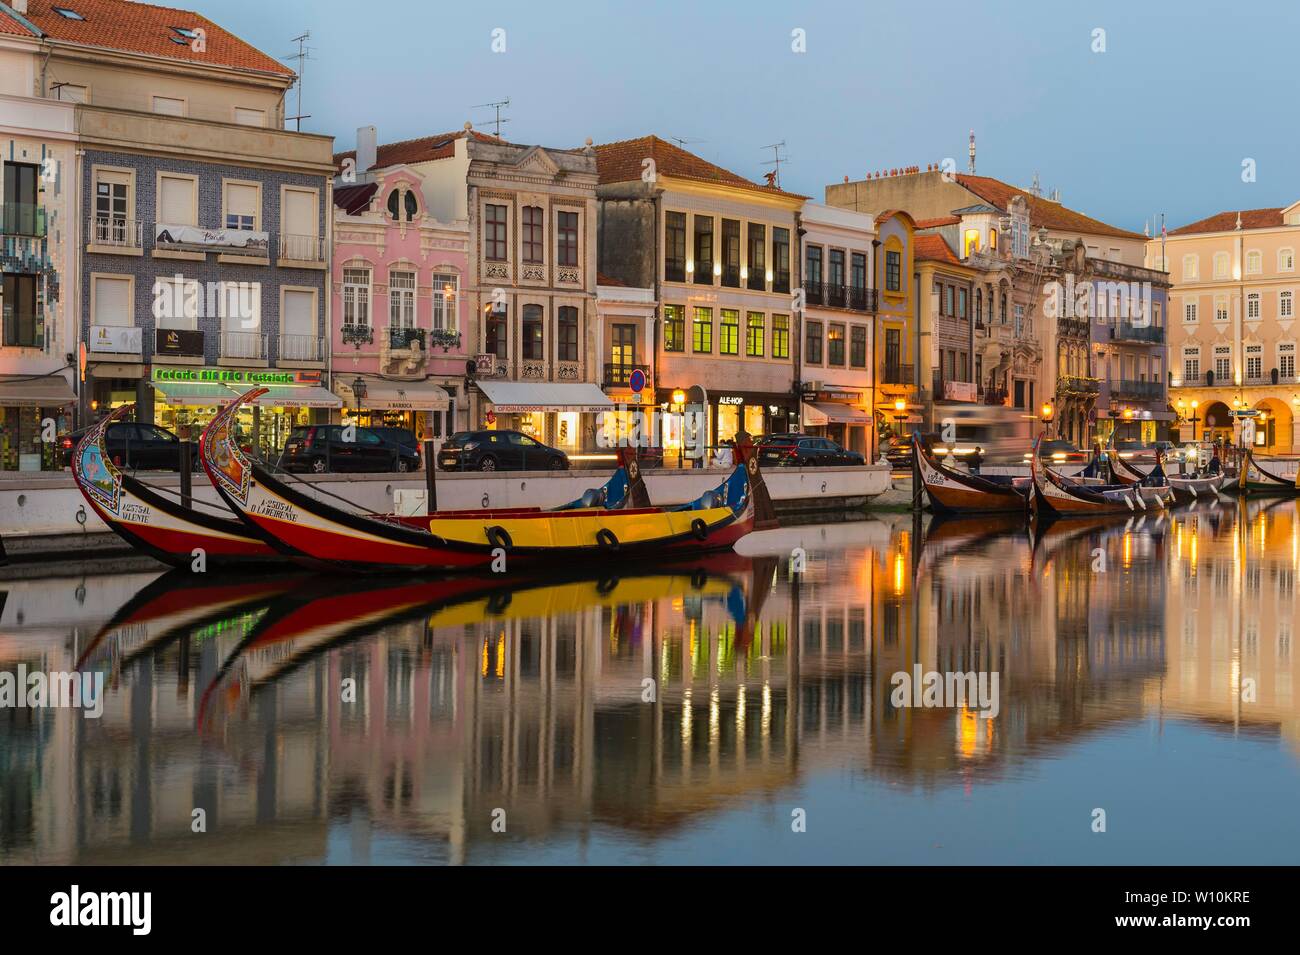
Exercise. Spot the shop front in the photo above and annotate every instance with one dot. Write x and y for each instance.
(565, 416)
(189, 397)
(32, 410)
(375, 402)
(726, 413)
(840, 417)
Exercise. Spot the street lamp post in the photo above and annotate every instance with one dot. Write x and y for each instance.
(1045, 415)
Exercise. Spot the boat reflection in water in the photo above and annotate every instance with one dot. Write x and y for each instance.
(682, 714)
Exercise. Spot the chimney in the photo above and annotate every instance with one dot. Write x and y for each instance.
(19, 6)
(367, 147)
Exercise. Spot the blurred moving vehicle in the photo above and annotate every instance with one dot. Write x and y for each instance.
(499, 451)
(141, 447)
(322, 448)
(1059, 451)
(803, 449)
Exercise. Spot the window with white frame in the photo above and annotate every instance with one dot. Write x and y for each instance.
(1220, 308)
(356, 296)
(1189, 312)
(1284, 304)
(177, 200)
(1191, 268)
(446, 293)
(1254, 362)
(1286, 260)
(1286, 359)
(1254, 262)
(247, 116)
(169, 106)
(401, 299)
(1221, 261)
(1191, 364)
(1222, 362)
(1252, 305)
(242, 202)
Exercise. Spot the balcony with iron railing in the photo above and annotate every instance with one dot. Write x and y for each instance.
(1148, 334)
(1137, 389)
(618, 375)
(899, 375)
(400, 338)
(302, 348)
(357, 335)
(444, 338)
(850, 297)
(114, 234)
(308, 249)
(731, 276)
(1078, 385)
(23, 218)
(245, 346)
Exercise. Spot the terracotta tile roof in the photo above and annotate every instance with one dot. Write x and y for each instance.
(932, 248)
(1227, 221)
(422, 149)
(622, 162)
(12, 26)
(1042, 212)
(938, 221)
(142, 28)
(356, 198)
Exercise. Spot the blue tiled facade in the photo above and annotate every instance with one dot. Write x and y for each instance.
(147, 268)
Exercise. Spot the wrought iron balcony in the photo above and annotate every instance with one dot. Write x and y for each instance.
(302, 348)
(1137, 389)
(358, 335)
(1126, 331)
(899, 375)
(618, 375)
(301, 248)
(402, 338)
(444, 338)
(112, 232)
(1078, 385)
(245, 345)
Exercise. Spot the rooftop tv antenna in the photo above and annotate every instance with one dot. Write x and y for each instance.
(776, 161)
(683, 142)
(497, 107)
(302, 56)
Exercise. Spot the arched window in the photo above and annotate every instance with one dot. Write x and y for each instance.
(1002, 314)
(393, 204)
(993, 240)
(979, 306)
(399, 202)
(534, 345)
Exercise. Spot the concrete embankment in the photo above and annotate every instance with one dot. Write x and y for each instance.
(45, 514)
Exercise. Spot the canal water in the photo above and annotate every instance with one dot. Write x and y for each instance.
(747, 709)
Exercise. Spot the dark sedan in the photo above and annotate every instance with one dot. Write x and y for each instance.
(139, 447)
(801, 449)
(334, 447)
(499, 451)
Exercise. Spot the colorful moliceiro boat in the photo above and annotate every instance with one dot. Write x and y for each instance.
(1185, 488)
(1052, 495)
(956, 492)
(602, 526)
(1256, 480)
(150, 520)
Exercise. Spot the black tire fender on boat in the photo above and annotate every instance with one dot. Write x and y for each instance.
(607, 539)
(700, 529)
(498, 536)
(699, 578)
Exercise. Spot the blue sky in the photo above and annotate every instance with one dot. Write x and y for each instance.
(1159, 122)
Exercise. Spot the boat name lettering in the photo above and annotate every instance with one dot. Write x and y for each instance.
(276, 509)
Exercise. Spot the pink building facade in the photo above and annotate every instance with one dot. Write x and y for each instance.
(402, 333)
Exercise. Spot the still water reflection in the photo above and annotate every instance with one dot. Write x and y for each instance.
(685, 715)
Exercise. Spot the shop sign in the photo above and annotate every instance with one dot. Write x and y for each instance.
(117, 339)
(178, 341)
(232, 376)
(731, 400)
(959, 391)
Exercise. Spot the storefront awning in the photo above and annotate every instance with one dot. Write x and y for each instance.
(818, 414)
(194, 394)
(48, 391)
(516, 397)
(393, 395)
(298, 396)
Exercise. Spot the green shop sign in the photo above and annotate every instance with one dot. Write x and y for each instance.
(234, 376)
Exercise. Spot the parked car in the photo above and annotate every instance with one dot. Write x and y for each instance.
(403, 438)
(499, 451)
(136, 446)
(898, 451)
(784, 450)
(323, 447)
